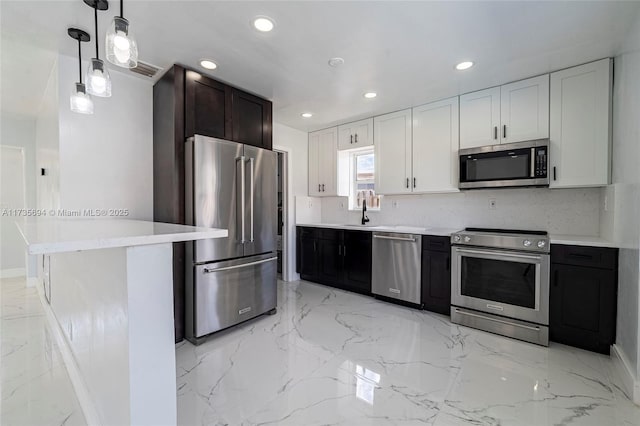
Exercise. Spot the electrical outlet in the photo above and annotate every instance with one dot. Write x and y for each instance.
(606, 203)
(492, 204)
(310, 204)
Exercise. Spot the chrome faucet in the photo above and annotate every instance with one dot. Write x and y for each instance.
(365, 218)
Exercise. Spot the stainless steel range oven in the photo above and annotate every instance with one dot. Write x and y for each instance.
(500, 282)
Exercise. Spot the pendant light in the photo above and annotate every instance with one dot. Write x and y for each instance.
(80, 101)
(98, 78)
(121, 46)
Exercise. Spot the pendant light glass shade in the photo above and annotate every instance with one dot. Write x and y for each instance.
(80, 101)
(98, 79)
(121, 46)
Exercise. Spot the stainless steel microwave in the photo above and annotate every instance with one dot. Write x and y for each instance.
(505, 165)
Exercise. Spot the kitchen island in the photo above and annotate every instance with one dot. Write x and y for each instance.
(107, 289)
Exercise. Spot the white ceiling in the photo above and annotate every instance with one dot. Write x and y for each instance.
(405, 51)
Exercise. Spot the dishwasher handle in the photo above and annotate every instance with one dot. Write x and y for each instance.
(384, 237)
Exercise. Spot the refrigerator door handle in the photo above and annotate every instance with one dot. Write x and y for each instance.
(241, 159)
(251, 189)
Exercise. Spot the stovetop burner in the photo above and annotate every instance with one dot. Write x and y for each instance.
(506, 231)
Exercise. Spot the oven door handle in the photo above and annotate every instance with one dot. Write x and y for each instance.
(502, 254)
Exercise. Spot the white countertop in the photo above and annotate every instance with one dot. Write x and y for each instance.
(579, 240)
(576, 240)
(443, 232)
(47, 235)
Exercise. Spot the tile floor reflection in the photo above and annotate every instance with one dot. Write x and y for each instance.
(34, 385)
(333, 357)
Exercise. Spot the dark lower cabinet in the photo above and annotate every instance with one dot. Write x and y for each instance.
(436, 274)
(341, 259)
(583, 298)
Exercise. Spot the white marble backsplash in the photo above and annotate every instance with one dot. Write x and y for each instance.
(559, 211)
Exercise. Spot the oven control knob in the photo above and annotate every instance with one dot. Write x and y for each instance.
(542, 243)
(456, 238)
(467, 239)
(526, 243)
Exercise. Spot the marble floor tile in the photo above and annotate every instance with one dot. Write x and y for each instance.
(339, 358)
(35, 388)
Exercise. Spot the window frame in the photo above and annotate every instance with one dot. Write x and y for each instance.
(353, 181)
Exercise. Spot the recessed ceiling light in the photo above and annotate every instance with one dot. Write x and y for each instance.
(208, 64)
(306, 115)
(336, 62)
(370, 95)
(263, 23)
(464, 65)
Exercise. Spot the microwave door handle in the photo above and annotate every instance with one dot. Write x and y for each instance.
(533, 163)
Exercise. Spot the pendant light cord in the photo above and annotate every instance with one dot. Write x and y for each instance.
(80, 59)
(121, 8)
(95, 11)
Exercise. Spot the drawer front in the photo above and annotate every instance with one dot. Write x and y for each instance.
(329, 234)
(305, 232)
(436, 243)
(230, 292)
(594, 257)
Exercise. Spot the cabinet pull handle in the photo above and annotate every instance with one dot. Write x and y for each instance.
(356, 138)
(323, 187)
(495, 132)
(344, 251)
(351, 139)
(407, 182)
(554, 173)
(504, 131)
(339, 250)
(414, 182)
(319, 188)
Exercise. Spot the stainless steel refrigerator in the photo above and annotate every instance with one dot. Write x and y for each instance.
(229, 280)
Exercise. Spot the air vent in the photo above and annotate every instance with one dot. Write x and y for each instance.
(145, 69)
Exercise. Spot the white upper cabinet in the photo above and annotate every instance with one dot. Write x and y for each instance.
(323, 163)
(480, 118)
(514, 112)
(355, 135)
(392, 135)
(524, 110)
(580, 125)
(435, 146)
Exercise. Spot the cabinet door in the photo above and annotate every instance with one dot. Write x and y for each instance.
(345, 137)
(580, 125)
(582, 307)
(436, 281)
(307, 249)
(328, 162)
(251, 119)
(314, 153)
(362, 133)
(356, 269)
(207, 107)
(480, 118)
(329, 261)
(524, 110)
(392, 135)
(435, 147)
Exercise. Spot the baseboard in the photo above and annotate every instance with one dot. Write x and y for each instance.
(13, 273)
(624, 372)
(79, 386)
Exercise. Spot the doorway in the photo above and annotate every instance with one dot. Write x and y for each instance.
(12, 198)
(282, 243)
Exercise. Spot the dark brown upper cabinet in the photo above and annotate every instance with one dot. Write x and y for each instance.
(251, 119)
(207, 107)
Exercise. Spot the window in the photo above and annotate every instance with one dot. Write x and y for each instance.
(362, 183)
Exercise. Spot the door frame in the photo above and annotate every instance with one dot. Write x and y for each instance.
(288, 231)
(18, 272)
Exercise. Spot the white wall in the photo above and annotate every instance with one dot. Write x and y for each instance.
(106, 159)
(294, 142)
(626, 189)
(561, 211)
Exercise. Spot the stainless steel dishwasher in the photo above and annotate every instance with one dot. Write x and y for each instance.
(396, 266)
